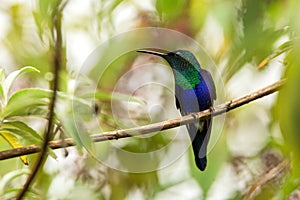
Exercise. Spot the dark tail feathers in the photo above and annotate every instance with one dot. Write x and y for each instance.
(200, 136)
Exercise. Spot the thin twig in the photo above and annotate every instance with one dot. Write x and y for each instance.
(265, 178)
(114, 135)
(57, 64)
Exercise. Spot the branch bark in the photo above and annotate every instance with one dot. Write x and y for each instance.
(283, 166)
(131, 132)
(49, 133)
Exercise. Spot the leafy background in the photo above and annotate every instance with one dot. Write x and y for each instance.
(253, 43)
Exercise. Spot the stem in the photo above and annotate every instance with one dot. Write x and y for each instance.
(57, 64)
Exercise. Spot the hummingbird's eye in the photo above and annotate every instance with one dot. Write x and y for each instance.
(178, 53)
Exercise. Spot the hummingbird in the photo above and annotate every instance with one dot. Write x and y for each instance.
(195, 91)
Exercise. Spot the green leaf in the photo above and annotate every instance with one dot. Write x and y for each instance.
(2, 94)
(198, 12)
(14, 142)
(254, 41)
(278, 51)
(2, 78)
(69, 109)
(103, 96)
(3, 97)
(9, 177)
(23, 130)
(2, 75)
(75, 115)
(170, 8)
(10, 129)
(25, 102)
(12, 77)
(33, 101)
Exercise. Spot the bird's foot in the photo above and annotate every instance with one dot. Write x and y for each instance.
(211, 109)
(228, 103)
(195, 115)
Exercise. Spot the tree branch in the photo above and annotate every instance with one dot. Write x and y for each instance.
(117, 134)
(49, 133)
(283, 166)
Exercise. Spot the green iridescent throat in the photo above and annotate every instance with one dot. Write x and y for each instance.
(188, 78)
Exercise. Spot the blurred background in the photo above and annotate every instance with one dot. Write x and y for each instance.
(252, 44)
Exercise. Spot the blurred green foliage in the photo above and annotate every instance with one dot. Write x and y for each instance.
(249, 33)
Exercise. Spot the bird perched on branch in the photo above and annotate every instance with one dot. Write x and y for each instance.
(195, 91)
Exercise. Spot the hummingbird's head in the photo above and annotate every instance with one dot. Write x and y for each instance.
(178, 59)
(185, 67)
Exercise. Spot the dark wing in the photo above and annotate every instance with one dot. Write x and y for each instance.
(208, 79)
(178, 95)
(199, 132)
(177, 102)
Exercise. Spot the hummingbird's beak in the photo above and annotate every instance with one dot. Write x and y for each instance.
(153, 52)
